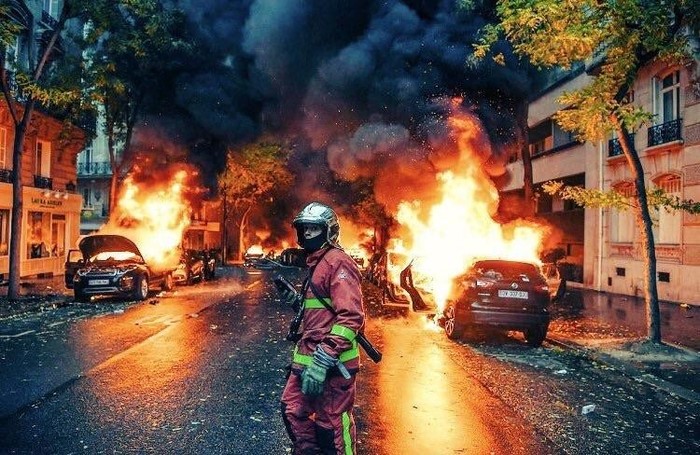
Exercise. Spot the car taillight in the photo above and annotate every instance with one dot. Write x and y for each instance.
(483, 284)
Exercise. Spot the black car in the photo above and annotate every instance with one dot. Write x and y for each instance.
(508, 295)
(190, 269)
(112, 265)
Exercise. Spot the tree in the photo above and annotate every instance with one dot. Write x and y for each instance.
(131, 44)
(33, 83)
(250, 175)
(630, 34)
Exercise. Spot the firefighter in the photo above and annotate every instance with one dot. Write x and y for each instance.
(318, 398)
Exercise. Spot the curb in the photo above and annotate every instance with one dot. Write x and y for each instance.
(628, 370)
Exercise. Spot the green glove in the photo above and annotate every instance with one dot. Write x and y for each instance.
(312, 379)
(313, 376)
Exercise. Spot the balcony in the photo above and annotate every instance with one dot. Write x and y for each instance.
(665, 133)
(48, 20)
(43, 182)
(94, 169)
(6, 175)
(615, 148)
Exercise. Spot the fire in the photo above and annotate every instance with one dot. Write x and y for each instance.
(154, 217)
(448, 236)
(255, 250)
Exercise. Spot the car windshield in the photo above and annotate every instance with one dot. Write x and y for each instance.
(507, 268)
(115, 256)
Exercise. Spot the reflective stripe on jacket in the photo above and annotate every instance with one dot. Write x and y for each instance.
(337, 279)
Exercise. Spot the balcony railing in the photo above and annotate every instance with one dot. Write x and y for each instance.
(6, 175)
(615, 148)
(43, 182)
(48, 20)
(666, 132)
(94, 168)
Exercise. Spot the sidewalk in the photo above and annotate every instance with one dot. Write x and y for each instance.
(37, 294)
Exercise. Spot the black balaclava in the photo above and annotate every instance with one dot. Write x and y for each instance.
(314, 243)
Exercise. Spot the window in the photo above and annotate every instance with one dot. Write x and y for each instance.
(51, 7)
(3, 147)
(58, 235)
(38, 235)
(622, 221)
(86, 197)
(4, 231)
(666, 98)
(43, 158)
(667, 225)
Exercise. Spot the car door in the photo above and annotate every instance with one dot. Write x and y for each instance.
(74, 260)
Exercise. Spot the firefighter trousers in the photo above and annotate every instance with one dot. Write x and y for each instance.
(323, 424)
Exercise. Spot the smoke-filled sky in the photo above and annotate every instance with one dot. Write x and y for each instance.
(362, 88)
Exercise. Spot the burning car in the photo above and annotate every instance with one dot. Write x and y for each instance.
(112, 265)
(509, 295)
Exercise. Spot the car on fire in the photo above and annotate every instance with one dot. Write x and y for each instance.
(500, 294)
(112, 265)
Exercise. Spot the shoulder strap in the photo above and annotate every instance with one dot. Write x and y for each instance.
(314, 289)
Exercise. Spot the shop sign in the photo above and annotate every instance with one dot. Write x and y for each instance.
(47, 202)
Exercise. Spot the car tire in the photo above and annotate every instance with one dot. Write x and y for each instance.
(188, 279)
(141, 288)
(453, 329)
(80, 296)
(167, 282)
(535, 335)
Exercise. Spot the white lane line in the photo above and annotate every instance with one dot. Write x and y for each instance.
(17, 334)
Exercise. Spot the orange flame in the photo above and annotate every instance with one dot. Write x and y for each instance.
(448, 236)
(154, 218)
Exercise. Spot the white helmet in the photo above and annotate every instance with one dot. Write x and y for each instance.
(317, 213)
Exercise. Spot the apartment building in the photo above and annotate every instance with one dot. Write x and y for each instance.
(51, 207)
(603, 247)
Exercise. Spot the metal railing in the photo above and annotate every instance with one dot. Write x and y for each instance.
(6, 175)
(615, 148)
(94, 168)
(666, 132)
(43, 182)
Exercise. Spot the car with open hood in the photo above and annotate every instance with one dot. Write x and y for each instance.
(500, 294)
(112, 265)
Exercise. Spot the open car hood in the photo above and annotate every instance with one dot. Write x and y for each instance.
(95, 244)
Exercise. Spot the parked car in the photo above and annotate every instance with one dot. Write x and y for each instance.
(507, 295)
(209, 264)
(112, 265)
(190, 269)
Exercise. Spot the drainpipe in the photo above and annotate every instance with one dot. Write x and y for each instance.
(601, 160)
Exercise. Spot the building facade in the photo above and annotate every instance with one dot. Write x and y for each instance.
(51, 206)
(603, 247)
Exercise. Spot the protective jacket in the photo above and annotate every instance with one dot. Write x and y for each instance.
(337, 279)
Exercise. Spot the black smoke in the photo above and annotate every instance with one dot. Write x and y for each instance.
(362, 88)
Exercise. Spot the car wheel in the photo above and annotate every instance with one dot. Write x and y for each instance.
(167, 282)
(81, 296)
(453, 329)
(141, 289)
(534, 336)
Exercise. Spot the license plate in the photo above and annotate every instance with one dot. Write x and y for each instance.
(97, 282)
(508, 294)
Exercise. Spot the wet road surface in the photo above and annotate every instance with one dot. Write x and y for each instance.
(201, 370)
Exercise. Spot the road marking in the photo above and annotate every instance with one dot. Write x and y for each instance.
(252, 285)
(158, 320)
(17, 334)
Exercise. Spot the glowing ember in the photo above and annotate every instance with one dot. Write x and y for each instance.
(448, 236)
(154, 218)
